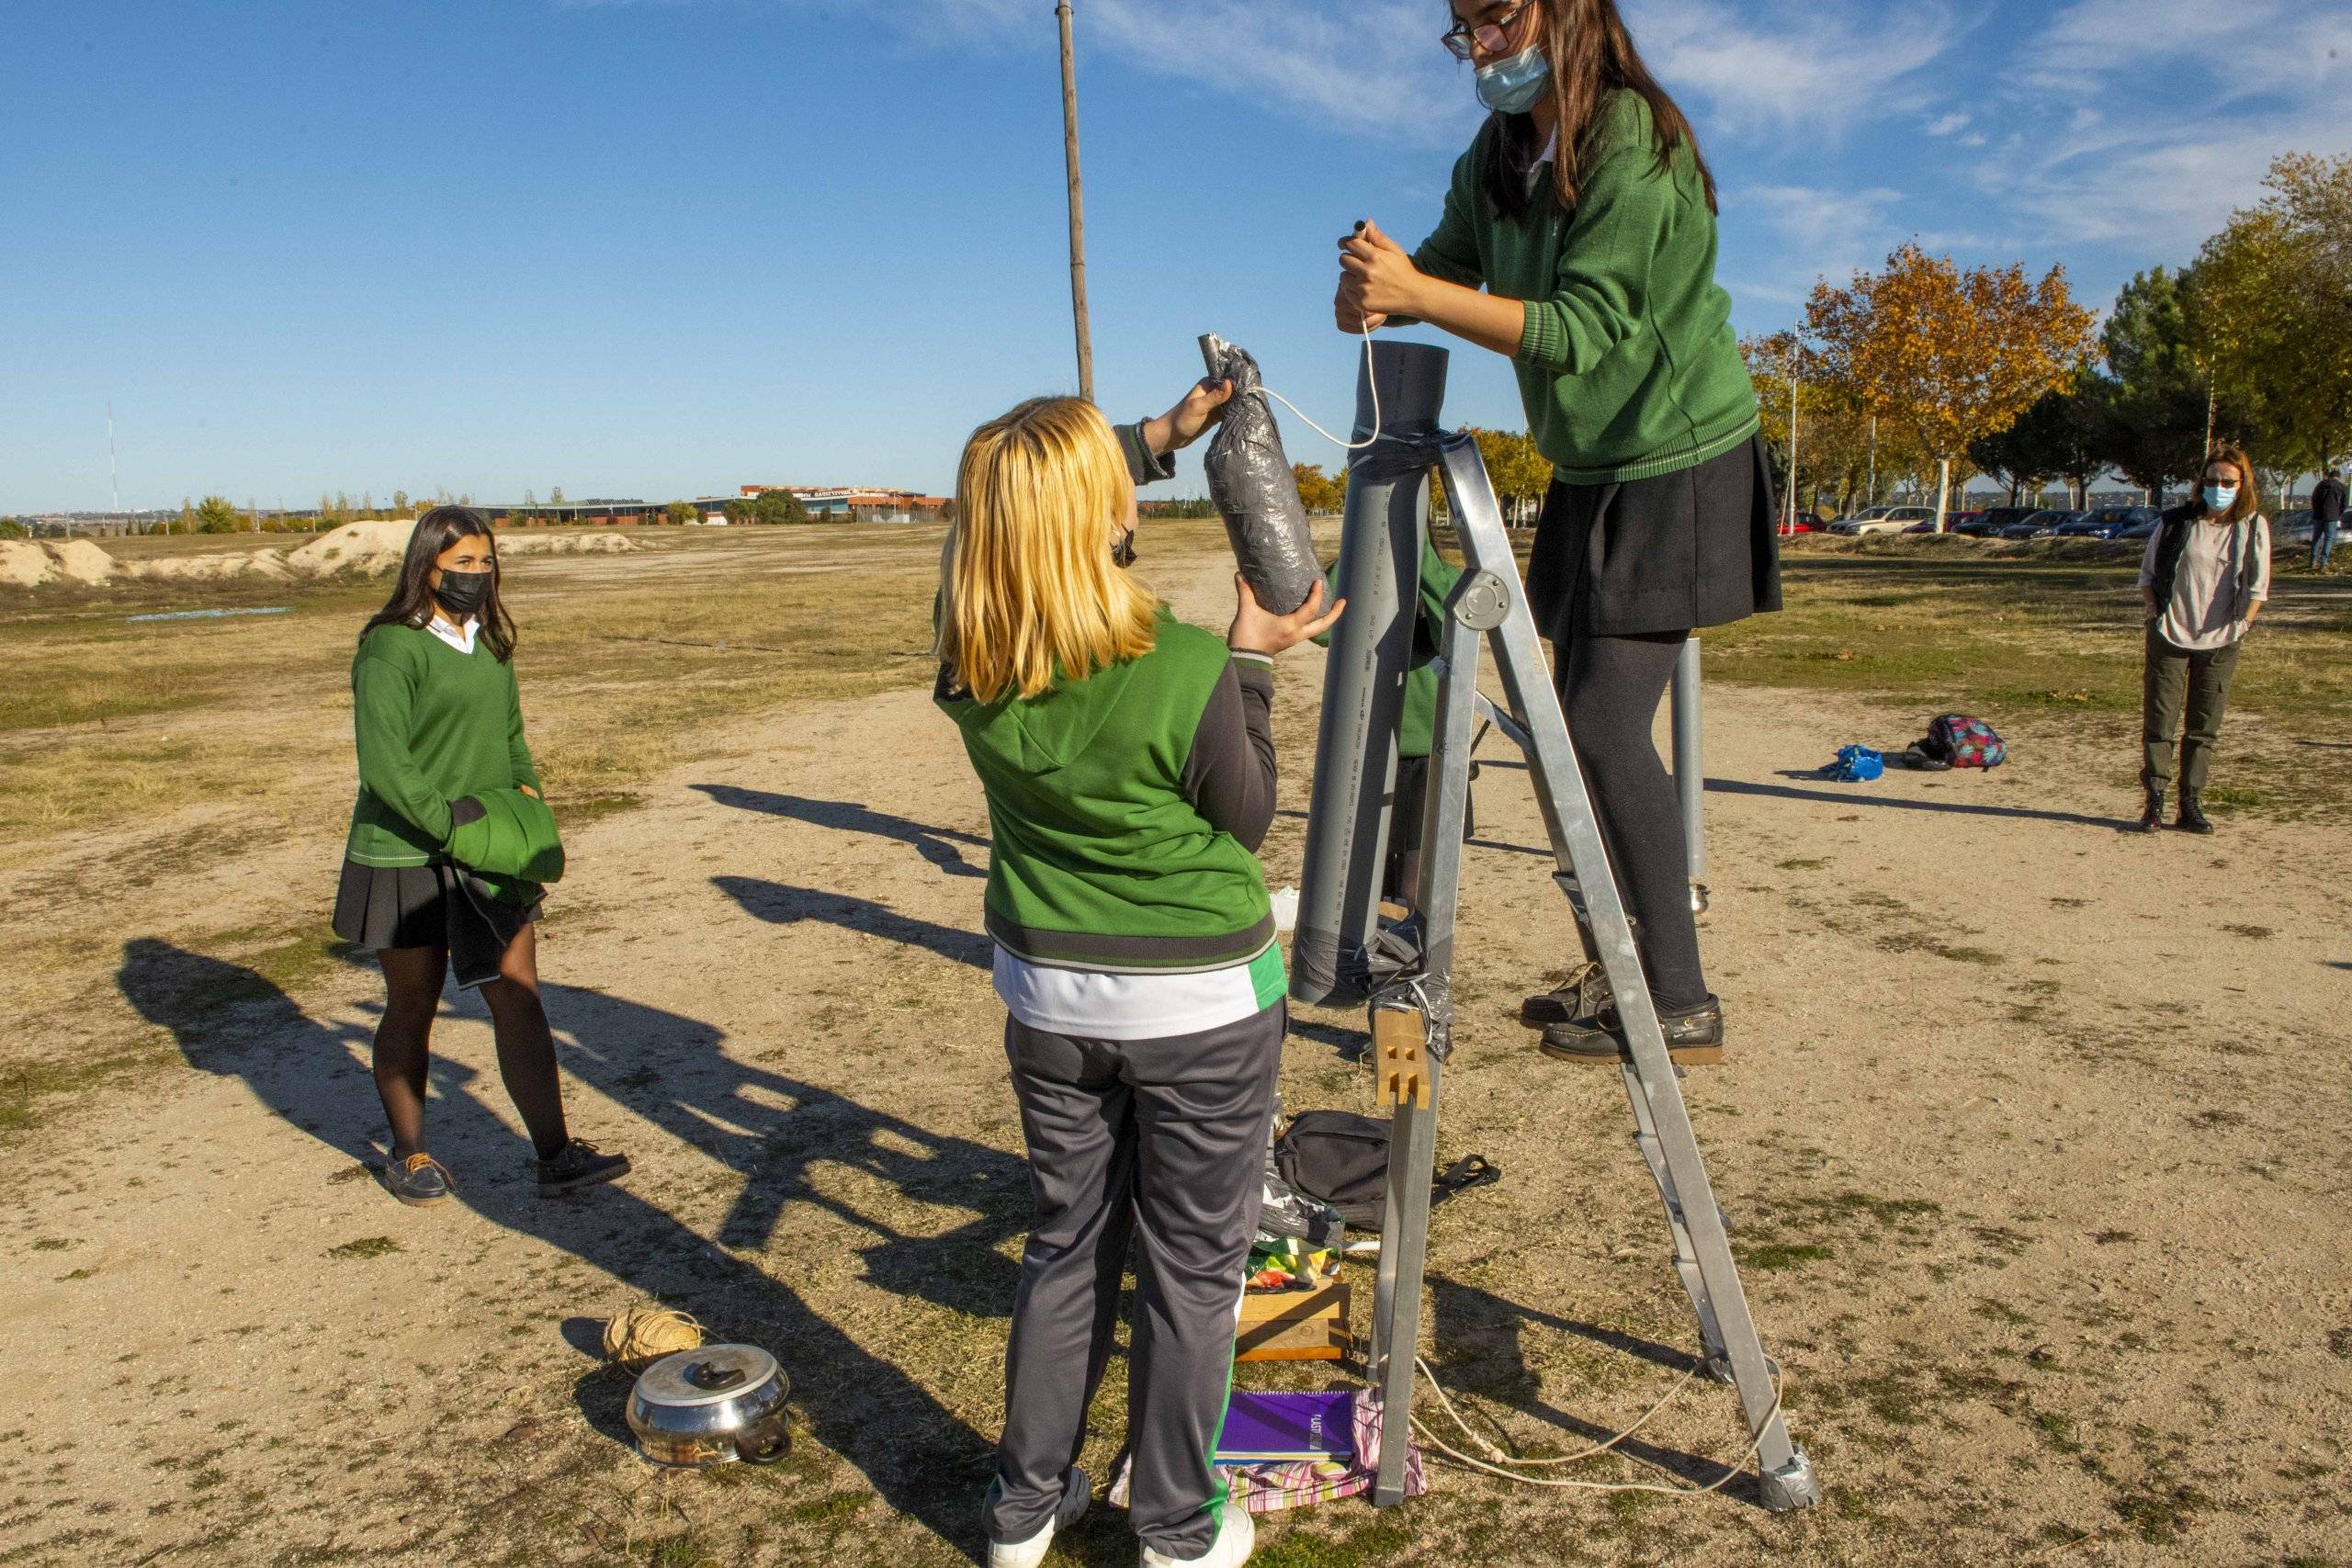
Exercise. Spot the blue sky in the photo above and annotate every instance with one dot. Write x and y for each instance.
(663, 247)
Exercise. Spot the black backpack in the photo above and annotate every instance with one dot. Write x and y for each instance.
(1341, 1158)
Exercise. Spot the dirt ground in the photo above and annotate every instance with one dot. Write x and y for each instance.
(2031, 1139)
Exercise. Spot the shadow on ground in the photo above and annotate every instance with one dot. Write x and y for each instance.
(936, 845)
(921, 1459)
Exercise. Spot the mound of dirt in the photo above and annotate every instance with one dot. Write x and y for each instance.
(355, 550)
(30, 563)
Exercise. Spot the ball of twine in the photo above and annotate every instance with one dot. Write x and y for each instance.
(645, 1333)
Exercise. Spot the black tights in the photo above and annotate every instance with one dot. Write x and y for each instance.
(1609, 688)
(413, 978)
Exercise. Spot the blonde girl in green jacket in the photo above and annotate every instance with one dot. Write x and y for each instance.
(438, 721)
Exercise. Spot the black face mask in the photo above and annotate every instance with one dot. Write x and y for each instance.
(1124, 552)
(463, 593)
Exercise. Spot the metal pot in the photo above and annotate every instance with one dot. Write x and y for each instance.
(711, 1405)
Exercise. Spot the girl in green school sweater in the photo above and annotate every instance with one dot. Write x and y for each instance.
(1578, 240)
(438, 723)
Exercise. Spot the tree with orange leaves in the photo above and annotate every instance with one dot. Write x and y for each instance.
(1949, 353)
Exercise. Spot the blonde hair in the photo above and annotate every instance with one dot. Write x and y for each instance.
(1026, 584)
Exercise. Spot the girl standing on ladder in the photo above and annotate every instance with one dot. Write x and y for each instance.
(1585, 210)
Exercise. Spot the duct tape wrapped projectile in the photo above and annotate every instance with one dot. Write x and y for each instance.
(1251, 483)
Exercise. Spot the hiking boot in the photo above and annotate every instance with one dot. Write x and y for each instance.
(1236, 1536)
(1694, 1038)
(578, 1165)
(1077, 1492)
(420, 1180)
(2152, 818)
(2192, 816)
(1586, 993)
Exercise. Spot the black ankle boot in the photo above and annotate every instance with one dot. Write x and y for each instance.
(2193, 818)
(2153, 816)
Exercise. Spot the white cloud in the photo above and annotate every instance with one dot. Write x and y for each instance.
(1785, 63)
(2245, 45)
(1957, 121)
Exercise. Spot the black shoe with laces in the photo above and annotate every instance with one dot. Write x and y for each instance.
(576, 1166)
(1585, 994)
(419, 1181)
(1694, 1038)
(2152, 816)
(2192, 816)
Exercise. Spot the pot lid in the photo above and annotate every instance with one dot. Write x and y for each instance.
(709, 1375)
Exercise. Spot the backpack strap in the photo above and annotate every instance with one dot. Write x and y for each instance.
(1470, 1170)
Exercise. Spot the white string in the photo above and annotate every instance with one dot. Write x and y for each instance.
(1735, 1468)
(1369, 376)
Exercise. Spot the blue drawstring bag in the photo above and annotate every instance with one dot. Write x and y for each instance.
(1856, 764)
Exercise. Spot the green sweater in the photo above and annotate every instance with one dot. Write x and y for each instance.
(1628, 367)
(1097, 859)
(433, 725)
(1418, 723)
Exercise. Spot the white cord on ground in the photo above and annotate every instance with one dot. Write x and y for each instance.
(1344, 445)
(1733, 1469)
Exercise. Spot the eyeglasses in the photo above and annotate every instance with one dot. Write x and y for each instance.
(1492, 37)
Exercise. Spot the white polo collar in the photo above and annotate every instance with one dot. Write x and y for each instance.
(462, 641)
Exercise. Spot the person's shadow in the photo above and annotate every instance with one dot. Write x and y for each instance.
(922, 1458)
(1481, 1335)
(936, 845)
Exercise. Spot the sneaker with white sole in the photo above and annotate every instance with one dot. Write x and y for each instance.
(1236, 1536)
(1077, 1493)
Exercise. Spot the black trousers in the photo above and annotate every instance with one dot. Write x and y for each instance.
(1620, 576)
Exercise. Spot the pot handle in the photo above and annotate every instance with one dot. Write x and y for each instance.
(764, 1444)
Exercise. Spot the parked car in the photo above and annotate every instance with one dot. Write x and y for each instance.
(1883, 519)
(2291, 527)
(1991, 519)
(2107, 522)
(1953, 520)
(2041, 525)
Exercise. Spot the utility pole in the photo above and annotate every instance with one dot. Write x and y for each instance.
(1076, 209)
(114, 472)
(1793, 446)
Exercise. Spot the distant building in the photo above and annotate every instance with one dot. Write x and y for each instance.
(574, 513)
(860, 504)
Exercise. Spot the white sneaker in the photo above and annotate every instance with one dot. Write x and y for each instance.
(1236, 1536)
(1030, 1552)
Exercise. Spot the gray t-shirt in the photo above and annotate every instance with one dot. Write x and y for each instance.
(2209, 608)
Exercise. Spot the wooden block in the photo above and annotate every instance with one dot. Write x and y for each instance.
(1293, 1325)
(1397, 1036)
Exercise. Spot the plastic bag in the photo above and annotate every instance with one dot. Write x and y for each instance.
(1251, 483)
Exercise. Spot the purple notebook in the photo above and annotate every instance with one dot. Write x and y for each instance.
(1260, 1427)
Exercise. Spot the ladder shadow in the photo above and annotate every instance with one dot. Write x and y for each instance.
(782, 904)
(936, 845)
(1480, 1332)
(1905, 803)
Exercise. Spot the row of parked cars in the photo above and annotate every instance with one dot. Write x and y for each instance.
(2036, 522)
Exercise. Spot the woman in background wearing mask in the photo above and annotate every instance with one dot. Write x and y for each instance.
(2202, 582)
(439, 724)
(1587, 215)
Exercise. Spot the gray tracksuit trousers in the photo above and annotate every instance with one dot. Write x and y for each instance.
(1161, 1143)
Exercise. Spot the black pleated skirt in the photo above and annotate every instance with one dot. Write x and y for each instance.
(395, 906)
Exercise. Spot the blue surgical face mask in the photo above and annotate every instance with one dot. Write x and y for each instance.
(1515, 85)
(2220, 498)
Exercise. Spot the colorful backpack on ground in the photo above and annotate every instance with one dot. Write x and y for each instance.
(1962, 741)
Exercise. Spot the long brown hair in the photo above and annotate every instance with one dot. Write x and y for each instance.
(411, 601)
(2249, 488)
(1591, 55)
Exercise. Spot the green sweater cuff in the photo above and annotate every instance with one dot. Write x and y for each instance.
(1542, 339)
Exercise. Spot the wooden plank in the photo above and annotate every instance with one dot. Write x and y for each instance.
(1293, 1325)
